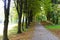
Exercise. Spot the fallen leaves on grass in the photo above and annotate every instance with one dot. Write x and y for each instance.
(56, 32)
(46, 23)
(25, 35)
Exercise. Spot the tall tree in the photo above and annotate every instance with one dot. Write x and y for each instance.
(26, 12)
(48, 8)
(31, 8)
(6, 21)
(20, 15)
(19, 7)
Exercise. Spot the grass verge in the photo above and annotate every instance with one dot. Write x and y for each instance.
(53, 27)
(26, 35)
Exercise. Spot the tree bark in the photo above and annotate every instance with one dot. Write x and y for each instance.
(6, 21)
(31, 16)
(26, 11)
(26, 22)
(23, 24)
(19, 17)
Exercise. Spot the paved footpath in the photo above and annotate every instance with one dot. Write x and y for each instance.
(40, 33)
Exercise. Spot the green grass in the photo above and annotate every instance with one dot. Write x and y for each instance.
(14, 30)
(53, 26)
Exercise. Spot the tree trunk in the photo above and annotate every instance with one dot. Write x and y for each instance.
(19, 17)
(26, 11)
(31, 16)
(26, 22)
(6, 21)
(5, 36)
(23, 24)
(19, 25)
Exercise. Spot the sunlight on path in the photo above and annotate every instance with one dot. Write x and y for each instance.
(41, 33)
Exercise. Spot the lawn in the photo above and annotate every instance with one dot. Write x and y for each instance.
(53, 27)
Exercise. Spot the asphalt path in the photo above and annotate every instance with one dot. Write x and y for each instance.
(40, 33)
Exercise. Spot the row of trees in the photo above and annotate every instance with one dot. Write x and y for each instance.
(49, 8)
(29, 9)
